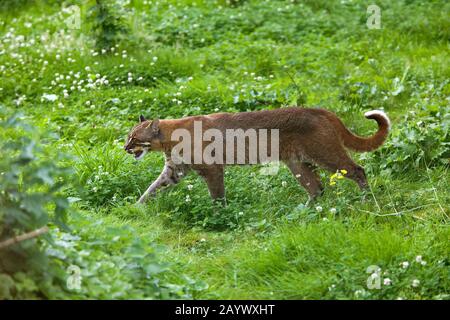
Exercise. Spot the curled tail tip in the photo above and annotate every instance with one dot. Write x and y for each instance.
(373, 114)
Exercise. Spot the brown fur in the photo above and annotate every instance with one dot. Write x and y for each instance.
(308, 138)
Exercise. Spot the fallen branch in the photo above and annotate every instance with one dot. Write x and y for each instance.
(399, 213)
(23, 237)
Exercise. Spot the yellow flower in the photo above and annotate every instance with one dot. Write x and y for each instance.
(344, 172)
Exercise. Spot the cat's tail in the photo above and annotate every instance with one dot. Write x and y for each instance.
(362, 144)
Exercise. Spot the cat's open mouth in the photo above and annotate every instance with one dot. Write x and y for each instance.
(138, 153)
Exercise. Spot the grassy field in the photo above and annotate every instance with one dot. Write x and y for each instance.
(170, 59)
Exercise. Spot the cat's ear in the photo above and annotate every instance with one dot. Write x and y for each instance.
(155, 126)
(142, 118)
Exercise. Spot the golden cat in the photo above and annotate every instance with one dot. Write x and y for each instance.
(307, 138)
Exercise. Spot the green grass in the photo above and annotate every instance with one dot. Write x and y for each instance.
(196, 57)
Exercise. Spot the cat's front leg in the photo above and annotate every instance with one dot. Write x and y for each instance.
(170, 175)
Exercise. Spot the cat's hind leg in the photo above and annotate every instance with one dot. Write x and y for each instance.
(307, 177)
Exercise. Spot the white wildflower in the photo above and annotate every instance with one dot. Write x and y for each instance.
(49, 97)
(359, 293)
